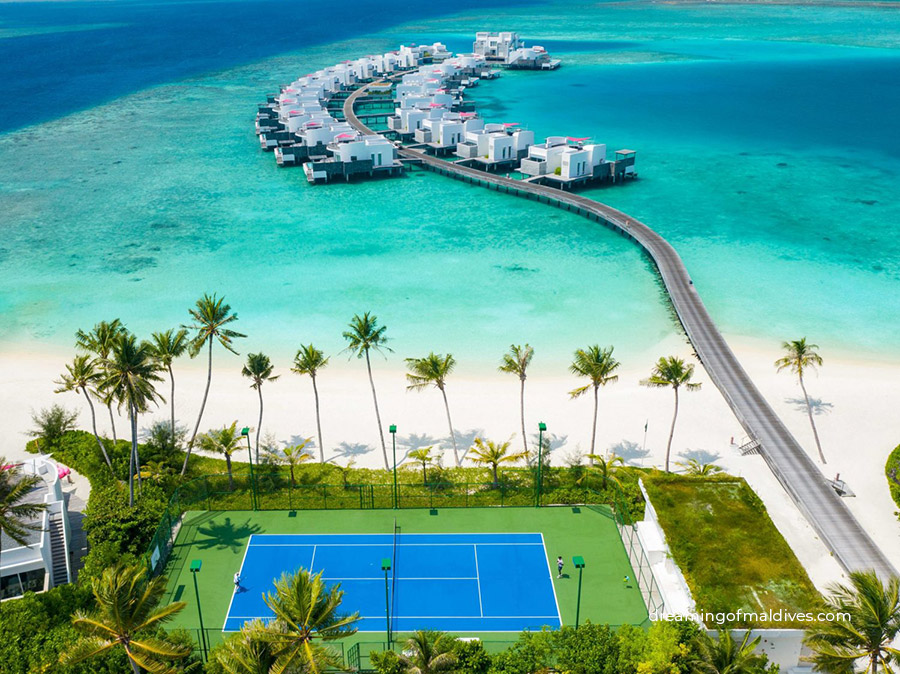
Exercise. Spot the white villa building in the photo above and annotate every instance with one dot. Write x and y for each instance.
(444, 133)
(508, 49)
(496, 144)
(353, 154)
(44, 561)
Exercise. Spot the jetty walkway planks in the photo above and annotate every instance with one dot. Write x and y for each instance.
(800, 477)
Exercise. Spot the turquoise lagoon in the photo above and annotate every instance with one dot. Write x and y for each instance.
(768, 149)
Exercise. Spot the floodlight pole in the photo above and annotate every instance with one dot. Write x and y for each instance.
(195, 569)
(393, 430)
(386, 566)
(541, 428)
(245, 431)
(578, 562)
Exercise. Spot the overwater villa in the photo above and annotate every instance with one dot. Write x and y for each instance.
(495, 146)
(353, 154)
(508, 50)
(563, 161)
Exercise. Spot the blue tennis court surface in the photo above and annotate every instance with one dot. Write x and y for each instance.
(451, 582)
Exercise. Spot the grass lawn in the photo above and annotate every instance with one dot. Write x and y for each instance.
(219, 540)
(729, 550)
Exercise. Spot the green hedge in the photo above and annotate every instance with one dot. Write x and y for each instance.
(892, 472)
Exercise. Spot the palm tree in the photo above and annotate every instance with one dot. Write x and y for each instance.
(245, 652)
(82, 375)
(306, 618)
(309, 360)
(598, 365)
(493, 454)
(433, 370)
(294, 456)
(211, 316)
(671, 372)
(428, 652)
(17, 515)
(869, 634)
(258, 370)
(127, 614)
(99, 341)
(694, 467)
(364, 335)
(423, 456)
(798, 358)
(225, 441)
(131, 372)
(726, 656)
(167, 346)
(516, 361)
(607, 468)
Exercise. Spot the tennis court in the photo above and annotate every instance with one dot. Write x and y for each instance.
(457, 582)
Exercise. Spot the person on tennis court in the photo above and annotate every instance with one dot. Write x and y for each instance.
(559, 566)
(237, 581)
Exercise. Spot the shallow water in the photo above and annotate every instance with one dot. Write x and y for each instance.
(768, 150)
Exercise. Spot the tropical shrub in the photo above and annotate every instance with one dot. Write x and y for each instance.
(50, 425)
(892, 471)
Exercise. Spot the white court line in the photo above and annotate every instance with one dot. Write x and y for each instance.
(241, 571)
(552, 586)
(386, 544)
(478, 578)
(340, 578)
(313, 559)
(427, 617)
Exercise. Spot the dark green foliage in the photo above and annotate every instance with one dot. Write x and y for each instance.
(533, 652)
(471, 658)
(591, 649)
(50, 425)
(892, 471)
(109, 519)
(386, 662)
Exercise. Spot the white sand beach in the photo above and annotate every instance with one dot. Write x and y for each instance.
(856, 403)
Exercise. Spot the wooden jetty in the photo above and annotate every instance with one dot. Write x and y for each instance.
(801, 478)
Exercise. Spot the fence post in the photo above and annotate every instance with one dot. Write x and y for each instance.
(325, 496)
(206, 487)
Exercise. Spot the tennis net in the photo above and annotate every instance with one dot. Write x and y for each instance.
(394, 572)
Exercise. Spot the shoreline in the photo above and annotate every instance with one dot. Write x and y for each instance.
(856, 395)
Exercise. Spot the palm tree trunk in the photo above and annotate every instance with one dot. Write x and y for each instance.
(134, 445)
(450, 424)
(318, 420)
(387, 465)
(187, 454)
(134, 666)
(672, 430)
(424, 475)
(259, 425)
(112, 422)
(522, 414)
(811, 422)
(172, 403)
(496, 478)
(94, 426)
(230, 477)
(594, 425)
(131, 462)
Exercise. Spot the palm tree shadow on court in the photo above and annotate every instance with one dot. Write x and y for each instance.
(225, 535)
(351, 449)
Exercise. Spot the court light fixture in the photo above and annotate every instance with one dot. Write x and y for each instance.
(578, 562)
